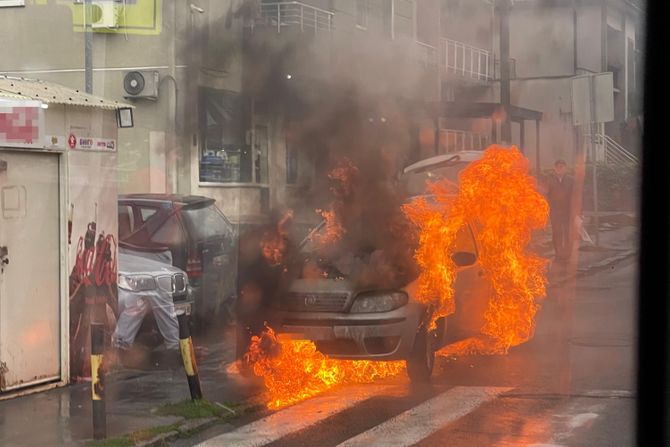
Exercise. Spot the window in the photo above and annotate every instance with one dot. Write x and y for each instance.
(291, 163)
(226, 153)
(146, 212)
(260, 154)
(362, 13)
(170, 233)
(126, 221)
(206, 223)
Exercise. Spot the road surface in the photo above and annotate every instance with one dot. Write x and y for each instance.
(571, 385)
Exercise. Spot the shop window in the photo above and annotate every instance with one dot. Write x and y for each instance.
(260, 138)
(226, 153)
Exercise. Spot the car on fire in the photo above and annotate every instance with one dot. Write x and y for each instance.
(388, 323)
(199, 237)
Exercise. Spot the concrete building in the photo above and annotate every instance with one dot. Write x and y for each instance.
(553, 41)
(238, 79)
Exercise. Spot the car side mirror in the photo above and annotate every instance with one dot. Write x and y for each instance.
(463, 258)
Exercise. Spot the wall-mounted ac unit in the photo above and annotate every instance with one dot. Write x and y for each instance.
(106, 14)
(141, 84)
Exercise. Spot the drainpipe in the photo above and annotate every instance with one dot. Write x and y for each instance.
(88, 48)
(506, 127)
(574, 38)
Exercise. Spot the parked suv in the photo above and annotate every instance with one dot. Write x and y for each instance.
(199, 237)
(387, 323)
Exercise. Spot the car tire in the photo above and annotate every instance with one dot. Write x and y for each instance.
(421, 360)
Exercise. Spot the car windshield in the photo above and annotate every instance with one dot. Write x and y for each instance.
(206, 223)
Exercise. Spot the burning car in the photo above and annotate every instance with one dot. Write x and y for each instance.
(350, 318)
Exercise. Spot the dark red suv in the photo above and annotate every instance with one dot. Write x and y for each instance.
(201, 239)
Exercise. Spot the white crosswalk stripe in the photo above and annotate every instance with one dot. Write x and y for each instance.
(419, 422)
(295, 418)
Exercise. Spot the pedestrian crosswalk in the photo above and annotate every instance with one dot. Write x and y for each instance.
(415, 424)
(293, 419)
(536, 423)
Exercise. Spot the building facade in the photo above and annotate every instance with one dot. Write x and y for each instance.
(249, 93)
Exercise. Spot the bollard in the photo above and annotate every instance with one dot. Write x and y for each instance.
(98, 381)
(188, 357)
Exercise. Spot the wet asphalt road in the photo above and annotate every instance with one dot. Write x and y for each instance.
(571, 385)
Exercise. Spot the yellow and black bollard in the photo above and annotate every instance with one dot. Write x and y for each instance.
(98, 381)
(188, 356)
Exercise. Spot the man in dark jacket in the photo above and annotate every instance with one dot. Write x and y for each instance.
(559, 195)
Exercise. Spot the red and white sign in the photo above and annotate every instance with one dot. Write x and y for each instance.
(91, 144)
(21, 123)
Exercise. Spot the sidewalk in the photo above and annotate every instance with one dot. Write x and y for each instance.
(63, 416)
(618, 240)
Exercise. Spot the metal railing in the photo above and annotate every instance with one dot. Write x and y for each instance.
(426, 54)
(295, 15)
(614, 152)
(462, 140)
(466, 60)
(512, 69)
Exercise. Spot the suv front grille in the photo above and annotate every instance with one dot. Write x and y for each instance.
(315, 302)
(179, 283)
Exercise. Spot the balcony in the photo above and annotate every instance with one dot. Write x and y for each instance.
(425, 54)
(295, 15)
(466, 61)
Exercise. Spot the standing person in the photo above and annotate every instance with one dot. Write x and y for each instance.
(559, 195)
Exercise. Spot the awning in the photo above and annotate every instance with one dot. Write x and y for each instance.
(51, 93)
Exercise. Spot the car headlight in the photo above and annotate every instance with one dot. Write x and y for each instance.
(379, 302)
(137, 283)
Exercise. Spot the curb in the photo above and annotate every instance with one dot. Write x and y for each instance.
(188, 426)
(605, 263)
(596, 267)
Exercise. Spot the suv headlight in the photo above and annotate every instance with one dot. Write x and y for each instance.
(137, 283)
(379, 302)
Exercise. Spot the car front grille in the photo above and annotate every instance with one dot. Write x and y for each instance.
(179, 283)
(175, 284)
(315, 302)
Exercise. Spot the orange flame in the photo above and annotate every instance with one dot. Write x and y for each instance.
(274, 243)
(343, 175)
(500, 196)
(293, 370)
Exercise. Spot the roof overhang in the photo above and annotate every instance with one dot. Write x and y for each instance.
(24, 89)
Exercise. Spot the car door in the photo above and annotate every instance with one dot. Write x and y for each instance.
(471, 288)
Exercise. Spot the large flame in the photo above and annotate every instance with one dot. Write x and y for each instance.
(274, 242)
(499, 195)
(293, 370)
(343, 177)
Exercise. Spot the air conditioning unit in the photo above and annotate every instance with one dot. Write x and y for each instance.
(107, 14)
(141, 84)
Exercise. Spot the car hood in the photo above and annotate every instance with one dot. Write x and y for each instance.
(131, 264)
(341, 286)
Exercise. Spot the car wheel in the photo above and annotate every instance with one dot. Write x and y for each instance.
(422, 358)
